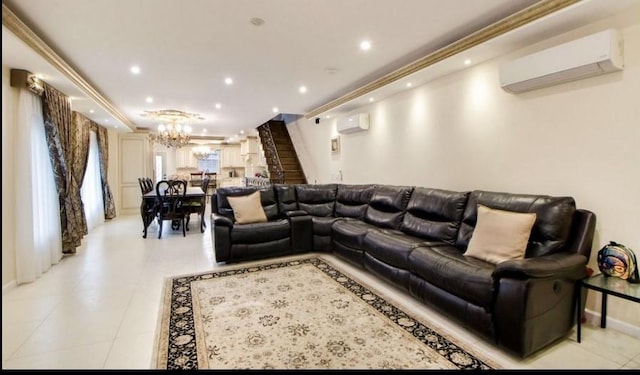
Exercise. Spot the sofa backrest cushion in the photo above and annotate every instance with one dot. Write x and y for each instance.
(353, 200)
(267, 199)
(550, 232)
(286, 194)
(434, 214)
(387, 206)
(317, 200)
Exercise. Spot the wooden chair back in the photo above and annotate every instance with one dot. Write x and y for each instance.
(171, 195)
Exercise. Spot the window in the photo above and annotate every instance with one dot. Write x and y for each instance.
(91, 190)
(211, 164)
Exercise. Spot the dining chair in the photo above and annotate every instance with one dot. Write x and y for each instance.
(148, 212)
(171, 195)
(213, 184)
(148, 184)
(142, 185)
(198, 207)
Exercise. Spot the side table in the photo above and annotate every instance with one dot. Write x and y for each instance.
(605, 285)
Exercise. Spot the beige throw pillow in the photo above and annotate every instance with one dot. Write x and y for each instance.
(247, 209)
(500, 235)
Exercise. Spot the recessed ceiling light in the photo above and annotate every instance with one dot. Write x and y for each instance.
(115, 126)
(371, 99)
(409, 84)
(241, 131)
(228, 80)
(275, 109)
(149, 99)
(302, 89)
(327, 116)
(204, 130)
(467, 62)
(106, 120)
(365, 45)
(257, 21)
(91, 111)
(218, 105)
(331, 70)
(135, 69)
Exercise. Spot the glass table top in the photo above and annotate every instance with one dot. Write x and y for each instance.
(614, 285)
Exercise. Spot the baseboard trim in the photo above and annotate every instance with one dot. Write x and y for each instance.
(7, 287)
(593, 318)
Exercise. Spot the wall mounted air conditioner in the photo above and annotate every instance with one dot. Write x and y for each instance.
(592, 55)
(354, 123)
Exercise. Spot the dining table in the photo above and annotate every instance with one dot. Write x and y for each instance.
(149, 207)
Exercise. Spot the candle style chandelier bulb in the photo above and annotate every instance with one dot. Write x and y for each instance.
(173, 134)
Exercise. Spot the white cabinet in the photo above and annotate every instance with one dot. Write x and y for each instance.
(230, 157)
(185, 158)
(249, 146)
(252, 156)
(262, 161)
(230, 181)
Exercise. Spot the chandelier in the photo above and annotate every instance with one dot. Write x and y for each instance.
(173, 134)
(201, 153)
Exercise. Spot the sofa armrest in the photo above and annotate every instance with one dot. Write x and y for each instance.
(295, 213)
(570, 266)
(223, 221)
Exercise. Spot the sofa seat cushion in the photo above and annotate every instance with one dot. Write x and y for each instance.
(260, 232)
(393, 246)
(322, 225)
(446, 267)
(350, 232)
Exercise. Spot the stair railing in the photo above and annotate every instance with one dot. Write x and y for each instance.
(271, 154)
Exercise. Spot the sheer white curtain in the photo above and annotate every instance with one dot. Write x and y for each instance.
(37, 224)
(91, 190)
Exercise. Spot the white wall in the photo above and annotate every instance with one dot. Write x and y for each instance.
(463, 132)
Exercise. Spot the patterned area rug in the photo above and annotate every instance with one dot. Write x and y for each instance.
(301, 314)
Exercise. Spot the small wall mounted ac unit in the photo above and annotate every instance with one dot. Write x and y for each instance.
(589, 56)
(354, 123)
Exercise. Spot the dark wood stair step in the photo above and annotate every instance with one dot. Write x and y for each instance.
(295, 181)
(282, 159)
(288, 159)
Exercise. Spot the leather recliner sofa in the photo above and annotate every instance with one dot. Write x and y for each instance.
(415, 238)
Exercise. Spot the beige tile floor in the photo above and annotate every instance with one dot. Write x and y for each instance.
(98, 308)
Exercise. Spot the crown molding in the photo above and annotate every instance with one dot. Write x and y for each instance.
(24, 33)
(512, 22)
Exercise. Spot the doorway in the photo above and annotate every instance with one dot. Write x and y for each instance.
(160, 167)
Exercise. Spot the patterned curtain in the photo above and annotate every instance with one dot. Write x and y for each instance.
(68, 149)
(103, 148)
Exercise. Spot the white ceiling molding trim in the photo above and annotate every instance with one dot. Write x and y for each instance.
(516, 20)
(23, 32)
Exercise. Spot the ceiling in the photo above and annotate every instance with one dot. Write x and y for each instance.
(186, 49)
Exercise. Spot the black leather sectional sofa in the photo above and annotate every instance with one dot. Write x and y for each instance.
(415, 237)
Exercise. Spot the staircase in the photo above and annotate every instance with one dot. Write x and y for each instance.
(282, 160)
